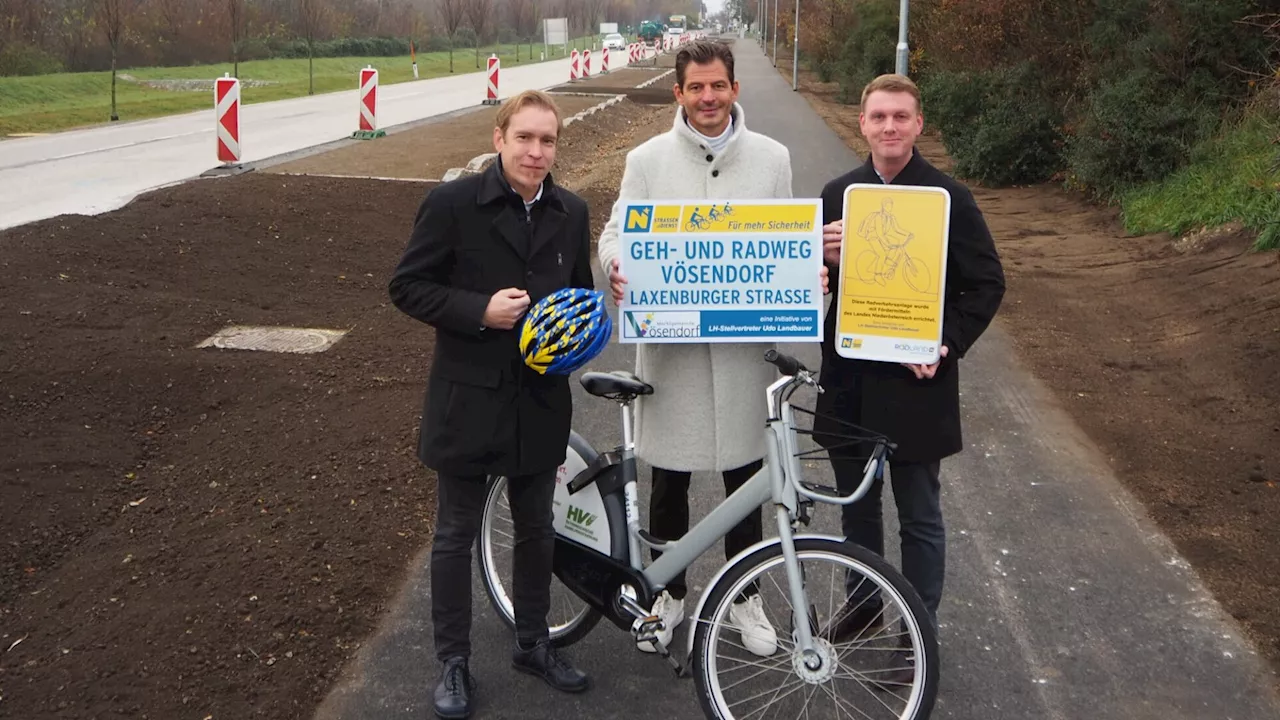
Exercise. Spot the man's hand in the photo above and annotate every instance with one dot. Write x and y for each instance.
(616, 281)
(822, 274)
(505, 308)
(926, 372)
(832, 236)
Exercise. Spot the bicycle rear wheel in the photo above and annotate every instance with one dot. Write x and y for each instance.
(865, 676)
(570, 618)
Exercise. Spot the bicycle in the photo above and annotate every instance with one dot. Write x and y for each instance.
(602, 569)
(696, 222)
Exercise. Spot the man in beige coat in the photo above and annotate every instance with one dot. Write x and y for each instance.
(707, 412)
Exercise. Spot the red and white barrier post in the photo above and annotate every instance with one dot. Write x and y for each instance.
(604, 61)
(368, 128)
(491, 95)
(586, 63)
(573, 65)
(226, 106)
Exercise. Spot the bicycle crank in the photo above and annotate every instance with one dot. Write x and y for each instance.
(646, 628)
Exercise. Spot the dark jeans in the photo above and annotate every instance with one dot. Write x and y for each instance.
(917, 493)
(460, 503)
(669, 516)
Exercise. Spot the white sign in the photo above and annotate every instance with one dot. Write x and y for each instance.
(555, 31)
(723, 271)
(608, 28)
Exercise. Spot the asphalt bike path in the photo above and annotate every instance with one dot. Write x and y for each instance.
(1063, 601)
(102, 168)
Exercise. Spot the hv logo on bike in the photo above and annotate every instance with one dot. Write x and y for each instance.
(722, 271)
(579, 521)
(892, 272)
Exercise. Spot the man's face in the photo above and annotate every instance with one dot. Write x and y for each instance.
(707, 96)
(891, 122)
(528, 147)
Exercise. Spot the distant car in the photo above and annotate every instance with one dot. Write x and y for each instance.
(614, 41)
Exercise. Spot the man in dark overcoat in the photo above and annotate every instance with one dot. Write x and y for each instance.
(483, 249)
(916, 406)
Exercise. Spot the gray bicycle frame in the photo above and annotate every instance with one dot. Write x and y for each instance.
(778, 481)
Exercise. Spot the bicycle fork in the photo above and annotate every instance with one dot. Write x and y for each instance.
(801, 618)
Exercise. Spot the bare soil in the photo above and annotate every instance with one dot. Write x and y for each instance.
(1161, 348)
(203, 533)
(423, 152)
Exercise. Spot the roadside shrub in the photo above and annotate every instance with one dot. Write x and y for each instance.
(347, 47)
(869, 49)
(20, 58)
(998, 126)
(1135, 129)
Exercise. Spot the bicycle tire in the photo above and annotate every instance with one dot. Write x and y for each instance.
(769, 556)
(561, 636)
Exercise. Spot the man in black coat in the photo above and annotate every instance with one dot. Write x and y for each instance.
(916, 406)
(483, 249)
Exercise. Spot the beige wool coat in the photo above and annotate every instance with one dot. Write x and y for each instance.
(708, 409)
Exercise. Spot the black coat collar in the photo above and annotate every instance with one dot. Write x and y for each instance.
(548, 213)
(494, 187)
(914, 173)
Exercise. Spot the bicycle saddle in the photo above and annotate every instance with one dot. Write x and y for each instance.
(618, 384)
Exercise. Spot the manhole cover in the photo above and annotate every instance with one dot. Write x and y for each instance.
(273, 339)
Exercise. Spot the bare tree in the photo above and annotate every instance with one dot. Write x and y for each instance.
(522, 21)
(451, 13)
(115, 15)
(312, 15)
(478, 13)
(236, 16)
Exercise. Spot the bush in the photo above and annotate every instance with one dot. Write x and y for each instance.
(347, 47)
(998, 125)
(1136, 128)
(869, 50)
(22, 59)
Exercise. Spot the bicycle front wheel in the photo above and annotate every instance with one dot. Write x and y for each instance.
(886, 666)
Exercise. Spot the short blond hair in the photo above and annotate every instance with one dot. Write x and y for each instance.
(528, 98)
(893, 83)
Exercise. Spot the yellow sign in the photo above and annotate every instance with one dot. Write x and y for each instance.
(726, 217)
(893, 264)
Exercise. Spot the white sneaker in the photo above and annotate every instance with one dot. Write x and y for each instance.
(671, 611)
(758, 634)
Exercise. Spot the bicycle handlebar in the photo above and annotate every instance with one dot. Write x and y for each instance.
(786, 364)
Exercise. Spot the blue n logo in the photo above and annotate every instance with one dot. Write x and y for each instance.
(638, 218)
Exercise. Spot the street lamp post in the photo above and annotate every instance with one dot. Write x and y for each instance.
(901, 68)
(775, 33)
(795, 51)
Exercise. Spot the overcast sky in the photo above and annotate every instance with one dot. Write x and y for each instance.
(714, 6)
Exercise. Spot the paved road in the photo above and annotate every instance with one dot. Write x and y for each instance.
(100, 169)
(1063, 600)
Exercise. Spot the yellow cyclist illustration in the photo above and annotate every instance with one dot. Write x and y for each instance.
(888, 250)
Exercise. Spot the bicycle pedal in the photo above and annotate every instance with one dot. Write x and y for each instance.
(647, 629)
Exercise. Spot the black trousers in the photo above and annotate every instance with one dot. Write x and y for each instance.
(917, 493)
(460, 504)
(669, 516)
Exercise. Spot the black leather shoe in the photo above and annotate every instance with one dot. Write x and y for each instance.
(545, 662)
(855, 619)
(901, 671)
(453, 694)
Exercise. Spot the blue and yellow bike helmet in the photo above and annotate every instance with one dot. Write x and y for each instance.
(565, 330)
